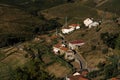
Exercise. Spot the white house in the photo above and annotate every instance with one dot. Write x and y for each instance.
(56, 48)
(60, 49)
(75, 26)
(94, 24)
(78, 76)
(67, 30)
(87, 22)
(75, 44)
(69, 55)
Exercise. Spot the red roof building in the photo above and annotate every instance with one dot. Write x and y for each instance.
(75, 44)
(76, 26)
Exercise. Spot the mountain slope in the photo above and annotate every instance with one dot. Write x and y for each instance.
(71, 10)
(16, 24)
(111, 6)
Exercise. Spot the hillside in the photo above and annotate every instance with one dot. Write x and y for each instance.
(28, 32)
(93, 50)
(17, 24)
(33, 6)
(74, 11)
(111, 6)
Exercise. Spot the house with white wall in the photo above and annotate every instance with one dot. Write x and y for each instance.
(70, 28)
(67, 30)
(56, 48)
(60, 49)
(69, 55)
(75, 26)
(94, 24)
(78, 75)
(87, 22)
(90, 23)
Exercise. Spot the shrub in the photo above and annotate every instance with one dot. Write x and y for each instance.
(105, 50)
(109, 39)
(93, 47)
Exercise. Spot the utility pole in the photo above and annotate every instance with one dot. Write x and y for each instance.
(66, 21)
(56, 32)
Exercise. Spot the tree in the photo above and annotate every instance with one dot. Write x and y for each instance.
(109, 39)
(33, 70)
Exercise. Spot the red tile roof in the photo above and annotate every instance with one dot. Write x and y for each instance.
(64, 48)
(76, 42)
(58, 45)
(54, 37)
(61, 47)
(115, 78)
(78, 77)
(74, 25)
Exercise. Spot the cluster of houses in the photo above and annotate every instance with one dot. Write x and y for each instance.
(88, 22)
(68, 49)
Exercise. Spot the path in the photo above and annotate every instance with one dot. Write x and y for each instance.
(82, 61)
(103, 2)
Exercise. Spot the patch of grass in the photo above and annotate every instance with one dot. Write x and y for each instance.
(72, 11)
(111, 6)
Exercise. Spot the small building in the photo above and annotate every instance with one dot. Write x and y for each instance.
(90, 23)
(94, 24)
(69, 55)
(75, 44)
(78, 76)
(59, 49)
(87, 22)
(75, 26)
(67, 30)
(56, 48)
(63, 50)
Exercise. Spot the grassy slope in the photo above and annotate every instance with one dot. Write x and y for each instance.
(92, 38)
(72, 11)
(16, 23)
(112, 6)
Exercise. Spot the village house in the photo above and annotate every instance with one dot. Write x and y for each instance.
(60, 49)
(57, 48)
(67, 30)
(78, 75)
(75, 44)
(87, 22)
(90, 23)
(69, 55)
(70, 28)
(94, 24)
(75, 26)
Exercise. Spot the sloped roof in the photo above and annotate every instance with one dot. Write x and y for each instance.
(78, 77)
(58, 45)
(74, 25)
(76, 42)
(64, 48)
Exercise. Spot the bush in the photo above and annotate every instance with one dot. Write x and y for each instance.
(105, 50)
(93, 47)
(109, 39)
(93, 74)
